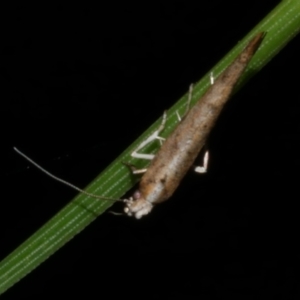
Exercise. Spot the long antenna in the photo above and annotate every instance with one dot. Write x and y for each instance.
(63, 181)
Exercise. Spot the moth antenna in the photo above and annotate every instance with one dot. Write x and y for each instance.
(116, 213)
(63, 181)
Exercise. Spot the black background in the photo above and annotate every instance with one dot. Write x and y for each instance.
(81, 82)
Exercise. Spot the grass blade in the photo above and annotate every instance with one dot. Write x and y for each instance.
(281, 25)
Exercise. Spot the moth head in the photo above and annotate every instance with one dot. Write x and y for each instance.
(136, 206)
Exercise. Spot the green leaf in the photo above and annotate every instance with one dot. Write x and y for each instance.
(281, 25)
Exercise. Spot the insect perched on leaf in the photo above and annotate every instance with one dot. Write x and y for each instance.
(178, 152)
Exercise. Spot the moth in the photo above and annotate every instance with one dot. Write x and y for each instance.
(179, 151)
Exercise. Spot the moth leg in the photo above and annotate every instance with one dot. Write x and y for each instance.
(211, 78)
(154, 136)
(134, 169)
(187, 105)
(191, 87)
(203, 169)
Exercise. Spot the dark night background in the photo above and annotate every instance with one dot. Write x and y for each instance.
(80, 83)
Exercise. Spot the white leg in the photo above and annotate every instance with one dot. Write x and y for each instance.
(134, 170)
(151, 138)
(189, 98)
(212, 79)
(139, 171)
(178, 116)
(203, 169)
(188, 103)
